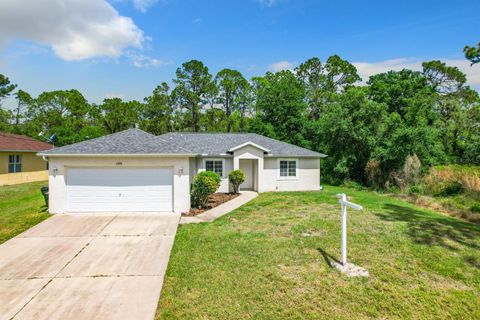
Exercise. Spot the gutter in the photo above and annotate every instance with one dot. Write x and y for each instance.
(145, 155)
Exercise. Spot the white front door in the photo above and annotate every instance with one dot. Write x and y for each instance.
(119, 189)
(247, 167)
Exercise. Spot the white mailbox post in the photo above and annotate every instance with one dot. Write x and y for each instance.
(343, 201)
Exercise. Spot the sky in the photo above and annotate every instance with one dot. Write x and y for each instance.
(125, 48)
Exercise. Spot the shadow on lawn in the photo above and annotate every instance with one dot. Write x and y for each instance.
(432, 229)
(329, 259)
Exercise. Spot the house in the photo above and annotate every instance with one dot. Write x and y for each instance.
(18, 154)
(135, 171)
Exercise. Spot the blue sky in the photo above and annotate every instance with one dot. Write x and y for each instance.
(126, 47)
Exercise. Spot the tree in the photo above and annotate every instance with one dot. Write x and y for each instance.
(452, 98)
(5, 118)
(194, 88)
(6, 87)
(282, 105)
(214, 120)
(118, 115)
(349, 127)
(231, 85)
(245, 101)
(322, 80)
(64, 113)
(443, 79)
(155, 114)
(472, 53)
(399, 89)
(24, 100)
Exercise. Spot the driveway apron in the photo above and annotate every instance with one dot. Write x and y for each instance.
(87, 266)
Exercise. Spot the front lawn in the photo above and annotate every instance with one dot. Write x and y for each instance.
(21, 207)
(269, 260)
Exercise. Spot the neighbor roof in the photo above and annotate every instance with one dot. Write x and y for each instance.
(132, 141)
(136, 141)
(16, 142)
(221, 143)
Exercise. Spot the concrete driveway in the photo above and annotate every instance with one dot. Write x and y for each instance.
(85, 266)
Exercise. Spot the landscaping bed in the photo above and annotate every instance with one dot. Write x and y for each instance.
(214, 200)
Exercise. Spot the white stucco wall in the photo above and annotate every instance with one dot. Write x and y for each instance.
(308, 176)
(251, 153)
(227, 167)
(308, 171)
(58, 187)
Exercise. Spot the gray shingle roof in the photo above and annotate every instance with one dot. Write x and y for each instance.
(136, 141)
(132, 141)
(220, 143)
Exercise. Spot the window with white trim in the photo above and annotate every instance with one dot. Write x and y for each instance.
(14, 163)
(215, 166)
(288, 168)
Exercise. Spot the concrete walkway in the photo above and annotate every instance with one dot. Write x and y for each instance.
(85, 266)
(221, 210)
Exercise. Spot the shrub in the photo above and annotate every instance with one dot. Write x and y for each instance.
(204, 184)
(409, 174)
(475, 208)
(236, 178)
(450, 189)
(415, 190)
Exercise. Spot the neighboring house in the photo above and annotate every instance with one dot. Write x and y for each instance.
(18, 154)
(135, 171)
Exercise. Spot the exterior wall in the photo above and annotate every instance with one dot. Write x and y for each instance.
(267, 173)
(227, 167)
(30, 161)
(58, 178)
(308, 176)
(252, 153)
(8, 179)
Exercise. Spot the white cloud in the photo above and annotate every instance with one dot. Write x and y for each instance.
(74, 29)
(281, 65)
(366, 69)
(197, 20)
(143, 5)
(141, 61)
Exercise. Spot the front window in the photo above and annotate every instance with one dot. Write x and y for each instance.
(288, 168)
(215, 166)
(14, 163)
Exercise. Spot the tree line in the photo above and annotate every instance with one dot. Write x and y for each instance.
(367, 130)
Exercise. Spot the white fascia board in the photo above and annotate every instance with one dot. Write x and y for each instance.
(148, 155)
(249, 143)
(294, 156)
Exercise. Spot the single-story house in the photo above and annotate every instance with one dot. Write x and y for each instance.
(18, 153)
(136, 171)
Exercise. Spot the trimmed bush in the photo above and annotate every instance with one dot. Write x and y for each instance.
(204, 184)
(236, 178)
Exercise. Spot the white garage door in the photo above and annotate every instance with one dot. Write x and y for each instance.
(119, 189)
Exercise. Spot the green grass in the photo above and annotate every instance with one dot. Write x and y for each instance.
(269, 260)
(21, 207)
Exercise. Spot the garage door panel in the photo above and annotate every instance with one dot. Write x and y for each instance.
(119, 189)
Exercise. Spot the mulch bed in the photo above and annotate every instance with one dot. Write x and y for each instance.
(214, 200)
